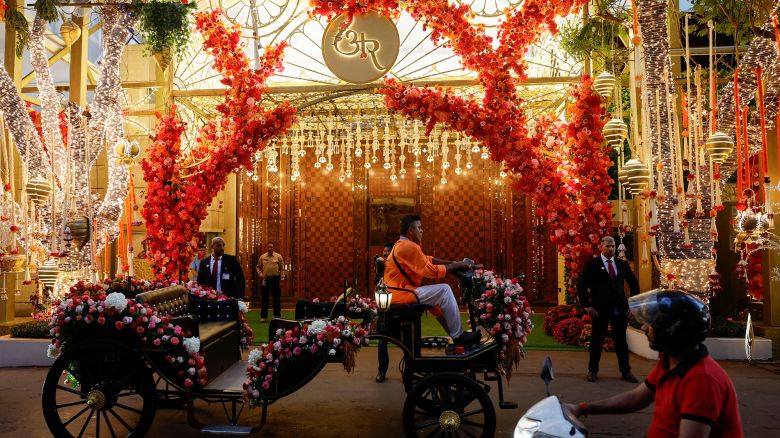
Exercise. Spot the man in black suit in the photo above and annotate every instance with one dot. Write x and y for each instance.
(602, 296)
(221, 271)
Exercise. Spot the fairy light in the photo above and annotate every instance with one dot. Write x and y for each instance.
(688, 265)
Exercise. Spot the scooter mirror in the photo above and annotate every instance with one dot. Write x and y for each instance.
(547, 373)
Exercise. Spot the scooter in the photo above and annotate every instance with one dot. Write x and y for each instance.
(549, 418)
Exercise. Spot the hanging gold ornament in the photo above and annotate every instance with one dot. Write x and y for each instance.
(604, 84)
(38, 190)
(719, 146)
(127, 151)
(79, 230)
(70, 32)
(637, 175)
(615, 132)
(623, 176)
(48, 273)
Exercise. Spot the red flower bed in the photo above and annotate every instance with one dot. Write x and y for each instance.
(568, 331)
(558, 314)
(607, 345)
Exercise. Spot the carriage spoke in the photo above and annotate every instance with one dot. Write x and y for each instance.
(86, 423)
(71, 390)
(65, 424)
(97, 426)
(467, 433)
(65, 405)
(108, 423)
(120, 405)
(120, 420)
(427, 414)
(426, 425)
(473, 423)
(434, 433)
(127, 394)
(468, 414)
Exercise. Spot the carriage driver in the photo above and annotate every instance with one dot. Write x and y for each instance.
(407, 267)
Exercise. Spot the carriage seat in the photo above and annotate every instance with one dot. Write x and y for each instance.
(214, 322)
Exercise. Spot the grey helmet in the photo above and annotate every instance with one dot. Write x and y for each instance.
(679, 320)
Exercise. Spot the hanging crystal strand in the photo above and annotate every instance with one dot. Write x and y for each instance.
(401, 161)
(416, 145)
(348, 154)
(375, 139)
(342, 167)
(393, 176)
(294, 160)
(445, 150)
(698, 148)
(358, 136)
(458, 155)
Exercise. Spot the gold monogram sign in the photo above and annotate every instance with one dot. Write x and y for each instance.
(362, 51)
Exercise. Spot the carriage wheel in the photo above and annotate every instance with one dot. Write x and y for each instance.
(449, 404)
(98, 388)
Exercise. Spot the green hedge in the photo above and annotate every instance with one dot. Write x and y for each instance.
(32, 329)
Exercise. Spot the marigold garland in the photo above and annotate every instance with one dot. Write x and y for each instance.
(178, 196)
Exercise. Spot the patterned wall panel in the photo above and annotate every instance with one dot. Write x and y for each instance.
(327, 237)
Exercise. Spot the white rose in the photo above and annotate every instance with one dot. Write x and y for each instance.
(191, 371)
(507, 300)
(336, 342)
(116, 300)
(52, 351)
(255, 356)
(317, 326)
(242, 307)
(332, 352)
(192, 345)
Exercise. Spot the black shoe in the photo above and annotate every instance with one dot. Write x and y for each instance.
(380, 377)
(468, 339)
(592, 376)
(628, 377)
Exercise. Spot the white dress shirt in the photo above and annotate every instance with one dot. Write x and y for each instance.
(219, 271)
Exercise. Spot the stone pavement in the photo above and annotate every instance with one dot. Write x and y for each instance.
(337, 404)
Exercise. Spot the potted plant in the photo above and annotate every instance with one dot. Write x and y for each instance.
(164, 26)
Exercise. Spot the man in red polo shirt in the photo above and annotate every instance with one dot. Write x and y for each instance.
(407, 267)
(693, 395)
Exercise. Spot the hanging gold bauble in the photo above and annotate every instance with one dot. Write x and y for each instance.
(638, 175)
(79, 230)
(38, 190)
(70, 32)
(48, 273)
(623, 176)
(604, 84)
(719, 147)
(615, 132)
(127, 151)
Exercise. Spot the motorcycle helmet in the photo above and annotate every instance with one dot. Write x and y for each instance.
(679, 320)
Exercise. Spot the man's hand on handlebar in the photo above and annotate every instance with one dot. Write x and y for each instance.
(458, 266)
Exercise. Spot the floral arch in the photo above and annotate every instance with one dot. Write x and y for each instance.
(561, 165)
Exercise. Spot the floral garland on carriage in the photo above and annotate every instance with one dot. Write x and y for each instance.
(304, 341)
(505, 313)
(109, 307)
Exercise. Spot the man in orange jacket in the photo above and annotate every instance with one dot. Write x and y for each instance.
(407, 267)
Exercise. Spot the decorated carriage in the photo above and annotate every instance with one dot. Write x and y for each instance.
(120, 359)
